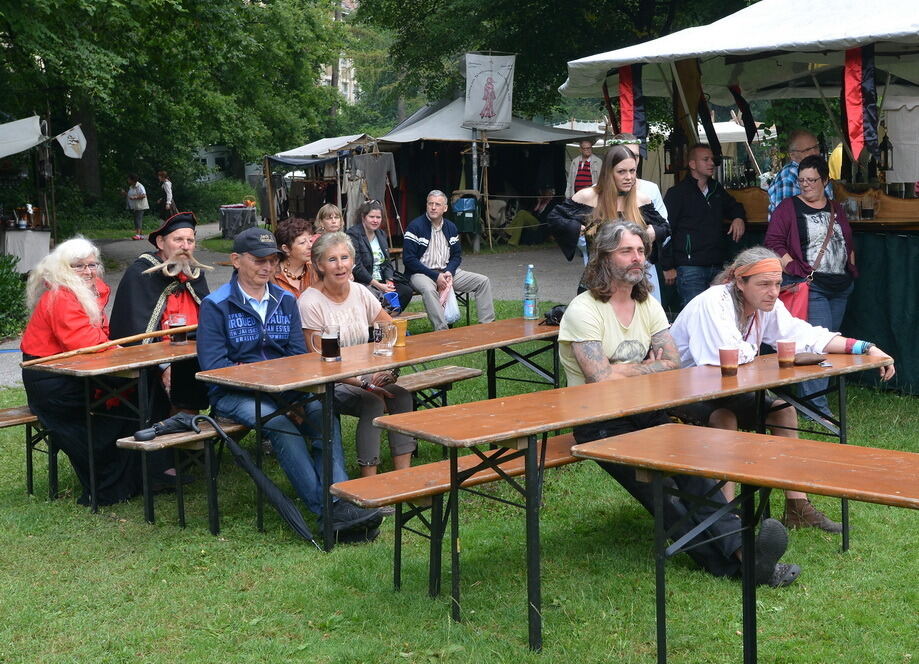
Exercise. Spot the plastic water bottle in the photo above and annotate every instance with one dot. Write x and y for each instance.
(530, 295)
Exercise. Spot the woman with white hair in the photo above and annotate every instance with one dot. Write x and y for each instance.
(67, 297)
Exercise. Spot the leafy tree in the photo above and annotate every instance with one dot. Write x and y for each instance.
(545, 35)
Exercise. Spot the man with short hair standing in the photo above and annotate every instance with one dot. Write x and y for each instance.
(432, 256)
(615, 330)
(699, 246)
(801, 144)
(251, 319)
(158, 284)
(584, 170)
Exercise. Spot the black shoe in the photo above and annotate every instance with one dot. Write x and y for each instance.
(347, 516)
(784, 574)
(770, 547)
(357, 535)
(176, 423)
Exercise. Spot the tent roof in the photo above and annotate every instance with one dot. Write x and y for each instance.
(324, 146)
(442, 121)
(20, 135)
(767, 45)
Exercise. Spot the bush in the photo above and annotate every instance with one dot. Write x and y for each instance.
(13, 311)
(205, 198)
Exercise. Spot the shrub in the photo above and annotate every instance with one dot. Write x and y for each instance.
(13, 311)
(205, 198)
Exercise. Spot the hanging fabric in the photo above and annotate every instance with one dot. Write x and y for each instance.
(860, 100)
(633, 119)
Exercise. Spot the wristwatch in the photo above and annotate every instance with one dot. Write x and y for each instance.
(365, 385)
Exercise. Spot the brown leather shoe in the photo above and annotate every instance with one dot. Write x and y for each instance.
(800, 513)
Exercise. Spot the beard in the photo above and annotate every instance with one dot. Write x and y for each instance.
(632, 274)
(180, 263)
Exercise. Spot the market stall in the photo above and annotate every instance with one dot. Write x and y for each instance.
(786, 49)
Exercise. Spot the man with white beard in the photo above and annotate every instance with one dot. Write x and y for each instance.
(159, 284)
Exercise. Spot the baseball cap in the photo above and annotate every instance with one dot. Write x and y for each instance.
(256, 241)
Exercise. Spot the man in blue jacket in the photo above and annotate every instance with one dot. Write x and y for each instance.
(431, 253)
(250, 319)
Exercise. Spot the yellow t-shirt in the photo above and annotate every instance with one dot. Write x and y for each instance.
(588, 319)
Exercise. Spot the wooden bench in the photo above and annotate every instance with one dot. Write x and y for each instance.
(189, 447)
(35, 434)
(424, 486)
(429, 387)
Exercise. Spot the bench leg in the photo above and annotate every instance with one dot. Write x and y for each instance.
(210, 472)
(843, 439)
(148, 488)
(660, 560)
(30, 444)
(534, 584)
(453, 509)
(180, 491)
(52, 468)
(397, 551)
(436, 545)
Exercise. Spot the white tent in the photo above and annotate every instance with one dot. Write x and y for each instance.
(324, 147)
(20, 135)
(772, 49)
(443, 122)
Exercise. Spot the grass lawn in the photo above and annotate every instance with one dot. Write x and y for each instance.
(79, 587)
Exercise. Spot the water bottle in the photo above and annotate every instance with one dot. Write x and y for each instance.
(530, 295)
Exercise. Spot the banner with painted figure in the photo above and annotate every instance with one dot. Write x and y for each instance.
(489, 91)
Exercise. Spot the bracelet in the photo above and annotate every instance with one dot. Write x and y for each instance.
(850, 342)
(365, 385)
(861, 347)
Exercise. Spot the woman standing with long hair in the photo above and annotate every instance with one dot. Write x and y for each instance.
(372, 264)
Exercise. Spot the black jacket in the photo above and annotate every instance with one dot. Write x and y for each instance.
(698, 233)
(363, 256)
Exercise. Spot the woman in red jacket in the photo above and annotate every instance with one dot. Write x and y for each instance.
(67, 297)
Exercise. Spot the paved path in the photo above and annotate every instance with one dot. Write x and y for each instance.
(556, 277)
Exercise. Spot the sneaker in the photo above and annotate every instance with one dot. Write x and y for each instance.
(347, 516)
(800, 513)
(137, 237)
(783, 574)
(770, 547)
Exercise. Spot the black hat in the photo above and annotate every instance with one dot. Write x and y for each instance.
(256, 241)
(174, 223)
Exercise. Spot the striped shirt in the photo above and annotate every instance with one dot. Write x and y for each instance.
(438, 252)
(583, 179)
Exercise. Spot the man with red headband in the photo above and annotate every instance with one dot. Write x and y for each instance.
(159, 283)
(743, 311)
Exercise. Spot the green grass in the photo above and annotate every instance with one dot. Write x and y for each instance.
(79, 587)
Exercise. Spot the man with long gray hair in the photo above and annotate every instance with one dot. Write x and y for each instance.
(742, 310)
(616, 330)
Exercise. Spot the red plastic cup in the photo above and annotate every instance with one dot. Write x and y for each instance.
(729, 358)
(786, 352)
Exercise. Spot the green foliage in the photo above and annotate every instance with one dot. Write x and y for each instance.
(790, 114)
(205, 198)
(431, 37)
(12, 297)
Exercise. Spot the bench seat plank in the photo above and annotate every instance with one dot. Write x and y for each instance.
(431, 479)
(436, 377)
(11, 417)
(180, 438)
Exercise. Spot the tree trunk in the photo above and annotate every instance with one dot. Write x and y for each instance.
(87, 169)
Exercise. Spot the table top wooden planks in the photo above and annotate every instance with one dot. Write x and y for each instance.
(302, 371)
(859, 473)
(120, 359)
(522, 415)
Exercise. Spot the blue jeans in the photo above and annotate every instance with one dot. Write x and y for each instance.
(302, 462)
(824, 309)
(694, 279)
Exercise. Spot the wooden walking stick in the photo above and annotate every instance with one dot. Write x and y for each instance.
(109, 344)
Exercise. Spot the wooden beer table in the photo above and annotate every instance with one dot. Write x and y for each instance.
(524, 420)
(309, 373)
(759, 463)
(123, 362)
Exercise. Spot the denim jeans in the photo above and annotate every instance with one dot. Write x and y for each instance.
(825, 309)
(694, 279)
(301, 461)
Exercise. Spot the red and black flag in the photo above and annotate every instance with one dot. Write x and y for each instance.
(860, 100)
(749, 124)
(633, 119)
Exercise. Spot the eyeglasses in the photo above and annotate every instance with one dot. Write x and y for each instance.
(815, 146)
(808, 181)
(80, 267)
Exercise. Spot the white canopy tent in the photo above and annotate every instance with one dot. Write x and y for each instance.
(772, 49)
(325, 147)
(20, 135)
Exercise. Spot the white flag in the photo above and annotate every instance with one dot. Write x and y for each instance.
(489, 91)
(73, 141)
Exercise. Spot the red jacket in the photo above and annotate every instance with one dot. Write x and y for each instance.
(59, 323)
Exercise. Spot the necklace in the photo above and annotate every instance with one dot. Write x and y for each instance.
(289, 275)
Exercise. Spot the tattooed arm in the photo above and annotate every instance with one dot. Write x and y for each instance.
(596, 367)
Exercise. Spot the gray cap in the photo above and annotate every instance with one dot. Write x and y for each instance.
(256, 241)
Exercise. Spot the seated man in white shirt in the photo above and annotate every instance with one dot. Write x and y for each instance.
(743, 310)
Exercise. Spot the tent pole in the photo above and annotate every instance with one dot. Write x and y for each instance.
(485, 187)
(269, 195)
(692, 116)
(759, 171)
(833, 119)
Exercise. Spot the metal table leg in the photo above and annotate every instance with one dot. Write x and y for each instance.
(534, 585)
